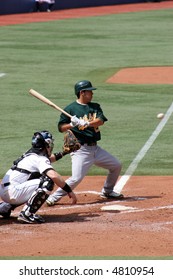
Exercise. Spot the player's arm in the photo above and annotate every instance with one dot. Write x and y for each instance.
(96, 123)
(57, 156)
(64, 127)
(59, 181)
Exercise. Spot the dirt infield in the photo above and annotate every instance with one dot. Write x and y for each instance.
(143, 75)
(143, 228)
(86, 230)
(82, 12)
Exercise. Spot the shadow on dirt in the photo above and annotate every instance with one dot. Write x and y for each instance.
(103, 200)
(78, 216)
(138, 198)
(56, 218)
(7, 221)
(70, 218)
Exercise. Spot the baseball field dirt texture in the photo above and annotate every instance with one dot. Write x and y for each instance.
(139, 225)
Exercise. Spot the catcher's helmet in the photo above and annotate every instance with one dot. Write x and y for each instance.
(42, 140)
(83, 85)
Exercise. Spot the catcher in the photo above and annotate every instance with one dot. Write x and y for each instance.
(32, 178)
(87, 118)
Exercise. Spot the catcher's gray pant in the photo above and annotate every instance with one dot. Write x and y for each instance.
(82, 160)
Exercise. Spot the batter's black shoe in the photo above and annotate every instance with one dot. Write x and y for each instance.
(112, 195)
(32, 219)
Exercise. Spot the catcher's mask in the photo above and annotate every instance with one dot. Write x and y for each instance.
(42, 140)
(83, 85)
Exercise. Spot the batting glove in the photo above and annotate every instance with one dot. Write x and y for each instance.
(74, 121)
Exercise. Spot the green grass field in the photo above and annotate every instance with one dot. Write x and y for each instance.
(52, 56)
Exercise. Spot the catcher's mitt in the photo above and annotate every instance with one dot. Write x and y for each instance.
(71, 143)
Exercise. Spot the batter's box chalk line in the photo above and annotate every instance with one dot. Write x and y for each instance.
(106, 207)
(134, 164)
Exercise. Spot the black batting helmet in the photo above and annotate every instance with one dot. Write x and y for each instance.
(42, 139)
(83, 85)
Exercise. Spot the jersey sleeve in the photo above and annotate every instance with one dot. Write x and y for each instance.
(100, 114)
(44, 164)
(63, 118)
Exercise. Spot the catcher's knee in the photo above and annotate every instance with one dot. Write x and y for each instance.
(46, 184)
(40, 195)
(36, 200)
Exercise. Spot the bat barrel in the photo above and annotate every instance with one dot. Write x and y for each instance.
(47, 101)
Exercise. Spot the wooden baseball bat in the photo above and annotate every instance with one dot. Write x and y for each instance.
(47, 101)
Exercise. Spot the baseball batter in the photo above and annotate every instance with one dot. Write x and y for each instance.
(31, 179)
(87, 118)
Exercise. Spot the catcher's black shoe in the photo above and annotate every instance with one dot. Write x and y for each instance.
(112, 195)
(5, 210)
(32, 219)
(6, 215)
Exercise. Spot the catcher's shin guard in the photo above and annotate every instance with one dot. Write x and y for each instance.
(39, 196)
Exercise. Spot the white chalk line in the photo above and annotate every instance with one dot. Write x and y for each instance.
(2, 75)
(132, 167)
(135, 210)
(77, 206)
(148, 209)
(92, 205)
(111, 202)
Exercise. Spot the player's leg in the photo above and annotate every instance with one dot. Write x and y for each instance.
(107, 161)
(36, 200)
(82, 160)
(37, 3)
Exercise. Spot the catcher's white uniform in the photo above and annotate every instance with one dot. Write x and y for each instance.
(16, 188)
(31, 179)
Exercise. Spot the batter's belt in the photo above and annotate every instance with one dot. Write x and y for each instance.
(89, 144)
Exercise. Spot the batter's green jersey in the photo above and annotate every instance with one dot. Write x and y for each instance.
(88, 112)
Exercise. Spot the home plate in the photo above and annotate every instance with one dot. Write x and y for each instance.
(116, 207)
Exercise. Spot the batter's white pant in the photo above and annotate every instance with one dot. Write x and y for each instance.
(82, 160)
